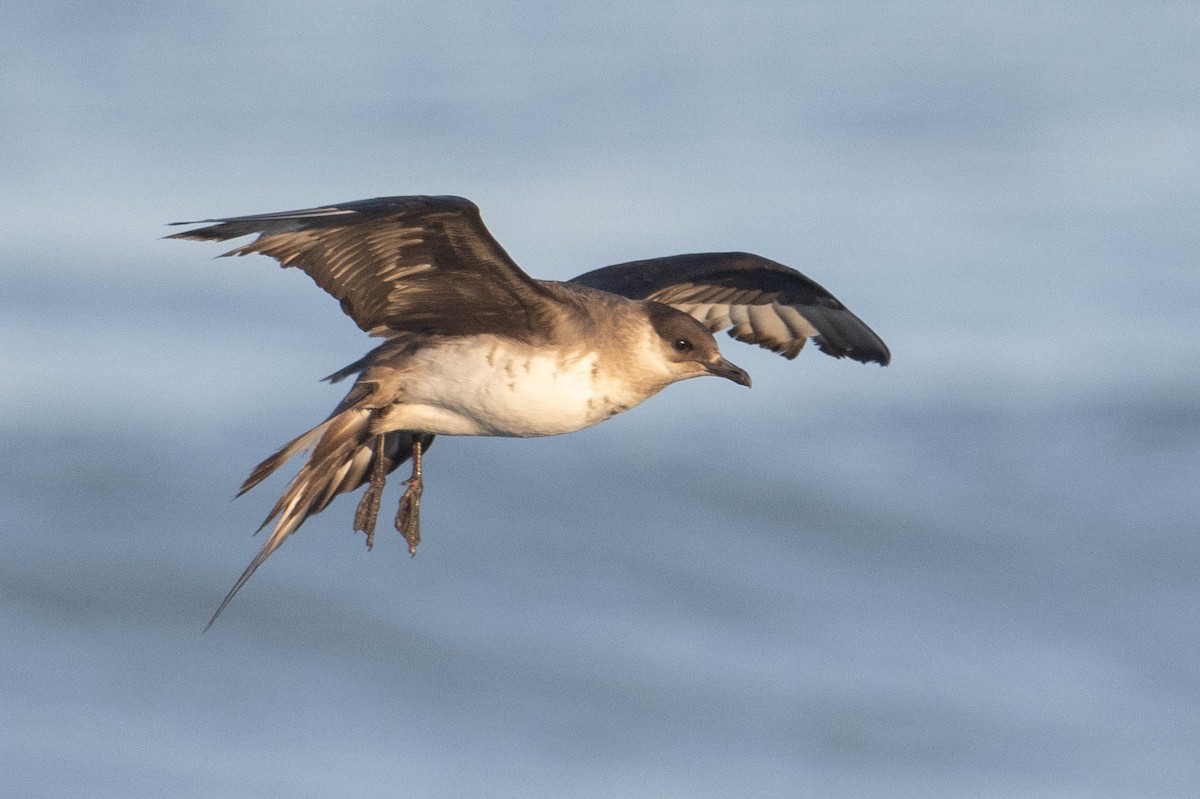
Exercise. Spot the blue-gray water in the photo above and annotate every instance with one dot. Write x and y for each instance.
(973, 573)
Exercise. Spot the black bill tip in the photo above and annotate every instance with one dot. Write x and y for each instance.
(725, 369)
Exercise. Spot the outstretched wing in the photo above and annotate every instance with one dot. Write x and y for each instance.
(764, 302)
(398, 263)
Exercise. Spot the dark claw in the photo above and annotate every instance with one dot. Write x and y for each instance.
(408, 517)
(368, 507)
(368, 512)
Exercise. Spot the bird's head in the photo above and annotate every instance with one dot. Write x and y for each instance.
(688, 348)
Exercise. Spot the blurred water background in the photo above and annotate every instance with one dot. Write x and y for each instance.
(973, 573)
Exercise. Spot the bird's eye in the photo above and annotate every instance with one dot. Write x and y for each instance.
(682, 345)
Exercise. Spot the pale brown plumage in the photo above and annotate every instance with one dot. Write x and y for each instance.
(424, 273)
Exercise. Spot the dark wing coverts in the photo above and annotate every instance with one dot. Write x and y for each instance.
(398, 263)
(764, 302)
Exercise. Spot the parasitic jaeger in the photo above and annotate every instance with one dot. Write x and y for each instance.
(473, 346)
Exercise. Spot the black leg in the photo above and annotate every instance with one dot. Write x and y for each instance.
(408, 517)
(368, 506)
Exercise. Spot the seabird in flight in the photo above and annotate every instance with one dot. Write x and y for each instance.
(473, 346)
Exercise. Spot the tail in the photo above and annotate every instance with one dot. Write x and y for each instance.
(343, 454)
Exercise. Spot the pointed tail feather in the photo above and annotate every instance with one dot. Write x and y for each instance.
(343, 453)
(268, 467)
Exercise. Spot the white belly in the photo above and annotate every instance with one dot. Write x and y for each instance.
(502, 390)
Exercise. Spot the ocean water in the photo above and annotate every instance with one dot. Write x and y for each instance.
(719, 593)
(973, 573)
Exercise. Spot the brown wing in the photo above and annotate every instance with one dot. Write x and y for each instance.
(764, 302)
(398, 263)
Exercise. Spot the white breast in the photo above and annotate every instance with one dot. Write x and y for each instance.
(503, 389)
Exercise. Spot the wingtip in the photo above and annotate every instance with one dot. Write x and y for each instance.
(873, 357)
(881, 357)
(837, 344)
